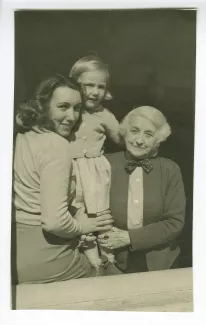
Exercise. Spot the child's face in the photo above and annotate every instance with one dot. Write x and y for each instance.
(94, 85)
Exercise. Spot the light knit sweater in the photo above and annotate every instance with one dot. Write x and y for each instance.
(43, 183)
(88, 140)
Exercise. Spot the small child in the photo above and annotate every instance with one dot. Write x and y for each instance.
(92, 169)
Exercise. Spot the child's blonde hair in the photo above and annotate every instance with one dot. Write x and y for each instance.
(90, 63)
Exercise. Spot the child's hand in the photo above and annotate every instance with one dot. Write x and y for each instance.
(88, 238)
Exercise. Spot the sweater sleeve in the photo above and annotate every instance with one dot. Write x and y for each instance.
(55, 180)
(112, 128)
(171, 221)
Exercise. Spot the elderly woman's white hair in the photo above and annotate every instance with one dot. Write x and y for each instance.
(152, 114)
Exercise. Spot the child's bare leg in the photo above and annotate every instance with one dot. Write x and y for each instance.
(92, 253)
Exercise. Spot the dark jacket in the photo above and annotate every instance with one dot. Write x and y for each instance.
(155, 245)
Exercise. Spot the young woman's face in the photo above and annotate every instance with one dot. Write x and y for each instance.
(94, 85)
(65, 106)
(141, 137)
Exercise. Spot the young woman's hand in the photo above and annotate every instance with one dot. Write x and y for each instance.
(91, 225)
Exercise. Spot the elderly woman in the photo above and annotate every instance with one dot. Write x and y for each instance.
(147, 197)
(47, 236)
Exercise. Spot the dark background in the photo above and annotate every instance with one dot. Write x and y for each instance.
(151, 55)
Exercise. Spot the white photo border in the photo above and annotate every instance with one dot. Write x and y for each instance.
(6, 140)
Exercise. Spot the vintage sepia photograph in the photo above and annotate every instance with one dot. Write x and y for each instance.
(103, 160)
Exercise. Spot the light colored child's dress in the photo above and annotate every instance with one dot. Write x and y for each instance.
(92, 169)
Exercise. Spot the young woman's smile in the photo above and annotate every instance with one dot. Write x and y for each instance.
(65, 108)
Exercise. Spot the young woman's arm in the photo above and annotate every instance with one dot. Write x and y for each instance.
(55, 181)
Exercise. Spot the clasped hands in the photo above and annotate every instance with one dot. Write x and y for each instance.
(108, 236)
(113, 239)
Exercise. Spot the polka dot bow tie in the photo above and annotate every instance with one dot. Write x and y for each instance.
(144, 163)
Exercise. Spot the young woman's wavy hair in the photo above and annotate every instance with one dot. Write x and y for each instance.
(35, 112)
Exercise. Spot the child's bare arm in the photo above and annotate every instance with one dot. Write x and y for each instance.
(112, 127)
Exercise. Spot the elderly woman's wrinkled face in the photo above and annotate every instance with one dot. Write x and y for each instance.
(65, 106)
(141, 138)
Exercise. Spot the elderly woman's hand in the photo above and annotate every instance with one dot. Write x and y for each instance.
(114, 239)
